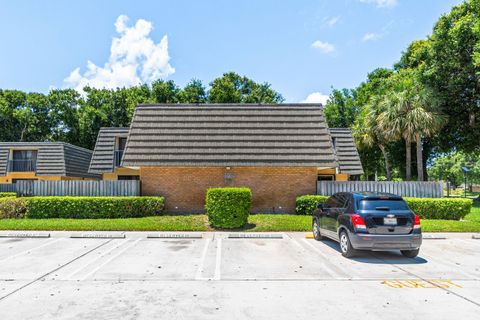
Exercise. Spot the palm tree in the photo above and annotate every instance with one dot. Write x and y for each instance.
(408, 116)
(369, 133)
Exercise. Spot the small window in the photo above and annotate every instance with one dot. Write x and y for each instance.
(128, 177)
(122, 142)
(334, 144)
(322, 177)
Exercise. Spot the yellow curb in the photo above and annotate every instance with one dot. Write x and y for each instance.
(309, 236)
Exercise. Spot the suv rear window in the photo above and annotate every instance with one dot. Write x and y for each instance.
(373, 204)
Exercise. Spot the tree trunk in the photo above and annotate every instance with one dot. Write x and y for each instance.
(388, 171)
(418, 139)
(408, 160)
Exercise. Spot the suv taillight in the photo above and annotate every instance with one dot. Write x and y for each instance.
(358, 222)
(416, 222)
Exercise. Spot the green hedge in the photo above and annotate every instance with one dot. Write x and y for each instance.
(426, 208)
(12, 208)
(82, 207)
(305, 205)
(7, 194)
(228, 207)
(440, 208)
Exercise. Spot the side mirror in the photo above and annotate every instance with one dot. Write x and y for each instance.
(320, 206)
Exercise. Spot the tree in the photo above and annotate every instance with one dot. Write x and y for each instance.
(233, 88)
(165, 91)
(407, 113)
(193, 92)
(341, 109)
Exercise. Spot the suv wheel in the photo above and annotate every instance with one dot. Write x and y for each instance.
(316, 230)
(410, 253)
(346, 246)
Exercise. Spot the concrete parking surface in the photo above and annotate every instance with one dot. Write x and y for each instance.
(213, 276)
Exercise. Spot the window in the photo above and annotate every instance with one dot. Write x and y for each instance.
(23, 161)
(326, 178)
(374, 204)
(121, 143)
(128, 177)
(334, 144)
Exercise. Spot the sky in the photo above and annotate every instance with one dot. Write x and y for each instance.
(303, 48)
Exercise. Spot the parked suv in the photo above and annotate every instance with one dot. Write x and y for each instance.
(368, 221)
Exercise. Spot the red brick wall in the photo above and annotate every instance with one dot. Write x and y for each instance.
(273, 188)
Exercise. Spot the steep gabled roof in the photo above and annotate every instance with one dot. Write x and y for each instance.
(53, 158)
(346, 151)
(104, 153)
(229, 135)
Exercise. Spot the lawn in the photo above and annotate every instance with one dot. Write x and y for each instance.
(256, 223)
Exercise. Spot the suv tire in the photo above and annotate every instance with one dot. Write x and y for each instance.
(316, 230)
(346, 246)
(410, 253)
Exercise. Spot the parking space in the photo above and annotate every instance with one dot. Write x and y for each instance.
(212, 275)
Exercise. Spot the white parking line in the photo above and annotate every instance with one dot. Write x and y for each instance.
(328, 269)
(199, 273)
(109, 260)
(31, 249)
(218, 260)
(69, 277)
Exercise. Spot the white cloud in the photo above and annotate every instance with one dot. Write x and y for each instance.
(134, 58)
(381, 3)
(371, 36)
(324, 47)
(332, 21)
(316, 97)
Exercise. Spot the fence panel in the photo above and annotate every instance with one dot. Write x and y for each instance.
(8, 187)
(79, 188)
(404, 188)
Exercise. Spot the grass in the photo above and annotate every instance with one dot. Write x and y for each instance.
(256, 223)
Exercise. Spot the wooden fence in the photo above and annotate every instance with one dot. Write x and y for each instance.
(78, 188)
(404, 189)
(8, 187)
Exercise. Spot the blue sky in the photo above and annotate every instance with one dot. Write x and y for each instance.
(301, 47)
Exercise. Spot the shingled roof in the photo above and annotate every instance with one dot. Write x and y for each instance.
(229, 135)
(104, 153)
(53, 158)
(346, 151)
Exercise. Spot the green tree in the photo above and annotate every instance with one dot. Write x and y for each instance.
(193, 92)
(165, 91)
(341, 109)
(233, 88)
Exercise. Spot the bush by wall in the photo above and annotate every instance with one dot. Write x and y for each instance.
(12, 208)
(426, 208)
(7, 194)
(81, 207)
(440, 208)
(306, 204)
(228, 207)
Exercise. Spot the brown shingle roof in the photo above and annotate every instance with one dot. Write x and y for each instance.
(229, 135)
(346, 151)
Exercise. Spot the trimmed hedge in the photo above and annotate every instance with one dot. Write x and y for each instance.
(228, 207)
(83, 207)
(305, 205)
(426, 208)
(7, 194)
(440, 208)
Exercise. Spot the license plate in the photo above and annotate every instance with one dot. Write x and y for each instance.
(390, 221)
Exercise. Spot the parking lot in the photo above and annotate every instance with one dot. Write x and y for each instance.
(225, 275)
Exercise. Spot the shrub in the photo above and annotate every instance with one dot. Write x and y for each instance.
(306, 204)
(13, 208)
(440, 208)
(228, 207)
(426, 208)
(93, 207)
(7, 194)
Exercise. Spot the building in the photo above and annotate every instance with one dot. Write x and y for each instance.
(43, 161)
(346, 154)
(279, 151)
(108, 153)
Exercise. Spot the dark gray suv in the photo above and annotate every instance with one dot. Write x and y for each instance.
(368, 221)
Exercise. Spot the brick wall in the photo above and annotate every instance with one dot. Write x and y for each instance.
(274, 189)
